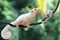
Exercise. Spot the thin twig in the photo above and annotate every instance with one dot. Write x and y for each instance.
(52, 12)
(56, 7)
(32, 23)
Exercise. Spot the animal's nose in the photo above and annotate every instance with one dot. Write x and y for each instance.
(36, 8)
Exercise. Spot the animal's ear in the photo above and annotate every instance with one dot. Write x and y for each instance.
(35, 9)
(32, 11)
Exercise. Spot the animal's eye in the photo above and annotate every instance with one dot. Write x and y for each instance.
(35, 9)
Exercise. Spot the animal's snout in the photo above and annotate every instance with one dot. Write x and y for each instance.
(36, 8)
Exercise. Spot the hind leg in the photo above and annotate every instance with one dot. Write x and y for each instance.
(27, 26)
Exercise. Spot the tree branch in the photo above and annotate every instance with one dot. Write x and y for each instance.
(32, 23)
(56, 7)
(3, 22)
(52, 12)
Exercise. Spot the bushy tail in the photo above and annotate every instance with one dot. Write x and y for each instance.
(5, 33)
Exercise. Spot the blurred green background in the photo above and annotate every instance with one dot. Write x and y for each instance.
(11, 9)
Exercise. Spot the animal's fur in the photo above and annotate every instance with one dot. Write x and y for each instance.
(24, 19)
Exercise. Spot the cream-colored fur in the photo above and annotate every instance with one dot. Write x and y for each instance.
(24, 19)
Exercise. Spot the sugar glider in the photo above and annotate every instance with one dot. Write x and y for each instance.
(24, 19)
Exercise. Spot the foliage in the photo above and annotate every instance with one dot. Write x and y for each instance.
(41, 4)
(11, 9)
